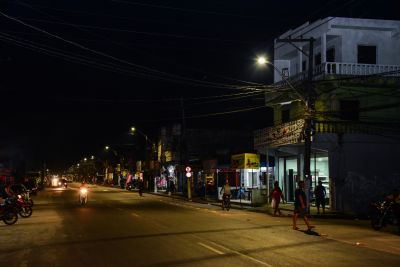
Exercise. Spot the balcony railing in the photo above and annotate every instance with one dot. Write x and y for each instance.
(350, 69)
(339, 68)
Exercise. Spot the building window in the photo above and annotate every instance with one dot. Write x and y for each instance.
(317, 59)
(366, 54)
(285, 73)
(330, 55)
(349, 110)
(303, 65)
(285, 115)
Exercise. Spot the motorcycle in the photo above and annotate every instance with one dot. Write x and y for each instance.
(26, 197)
(83, 195)
(8, 212)
(24, 208)
(383, 214)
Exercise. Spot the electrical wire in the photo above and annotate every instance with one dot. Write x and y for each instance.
(39, 11)
(197, 38)
(121, 60)
(116, 68)
(187, 10)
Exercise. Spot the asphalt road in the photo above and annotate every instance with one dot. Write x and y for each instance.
(120, 228)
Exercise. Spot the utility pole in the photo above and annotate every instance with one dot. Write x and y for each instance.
(183, 146)
(309, 108)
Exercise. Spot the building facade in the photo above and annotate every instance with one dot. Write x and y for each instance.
(355, 125)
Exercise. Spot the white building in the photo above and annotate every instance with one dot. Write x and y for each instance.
(356, 141)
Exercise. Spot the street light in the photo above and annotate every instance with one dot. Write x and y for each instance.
(263, 61)
(133, 130)
(113, 150)
(309, 106)
(153, 149)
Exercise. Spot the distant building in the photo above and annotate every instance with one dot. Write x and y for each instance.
(195, 148)
(356, 125)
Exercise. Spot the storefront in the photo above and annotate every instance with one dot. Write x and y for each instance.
(289, 172)
(167, 181)
(284, 143)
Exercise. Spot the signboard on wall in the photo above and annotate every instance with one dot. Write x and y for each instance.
(245, 161)
(280, 135)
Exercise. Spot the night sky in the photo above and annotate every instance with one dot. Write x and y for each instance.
(76, 75)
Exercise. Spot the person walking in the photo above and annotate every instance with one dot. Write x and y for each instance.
(300, 207)
(277, 195)
(320, 195)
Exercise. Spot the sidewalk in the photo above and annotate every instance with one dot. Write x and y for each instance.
(286, 209)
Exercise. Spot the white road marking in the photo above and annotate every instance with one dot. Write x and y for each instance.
(135, 214)
(243, 255)
(211, 248)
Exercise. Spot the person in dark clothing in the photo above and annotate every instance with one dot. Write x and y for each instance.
(140, 186)
(320, 195)
(300, 206)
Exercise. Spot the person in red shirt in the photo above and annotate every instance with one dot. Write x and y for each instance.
(277, 195)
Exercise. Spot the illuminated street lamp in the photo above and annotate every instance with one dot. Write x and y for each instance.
(309, 110)
(133, 130)
(262, 61)
(153, 148)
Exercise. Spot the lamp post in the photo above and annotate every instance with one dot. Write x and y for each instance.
(152, 155)
(309, 105)
(120, 159)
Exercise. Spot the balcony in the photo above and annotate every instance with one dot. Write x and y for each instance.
(348, 69)
(355, 69)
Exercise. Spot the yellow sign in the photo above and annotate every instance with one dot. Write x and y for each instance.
(245, 161)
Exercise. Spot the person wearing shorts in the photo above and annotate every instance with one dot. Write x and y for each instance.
(300, 207)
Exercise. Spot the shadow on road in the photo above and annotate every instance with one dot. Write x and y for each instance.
(310, 232)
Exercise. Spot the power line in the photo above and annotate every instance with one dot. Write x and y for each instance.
(170, 35)
(187, 10)
(119, 69)
(121, 60)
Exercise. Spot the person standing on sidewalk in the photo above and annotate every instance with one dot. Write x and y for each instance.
(320, 194)
(300, 207)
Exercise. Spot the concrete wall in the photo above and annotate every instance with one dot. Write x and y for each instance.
(363, 168)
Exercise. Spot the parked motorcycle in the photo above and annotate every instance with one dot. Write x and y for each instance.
(24, 208)
(8, 212)
(383, 214)
(83, 195)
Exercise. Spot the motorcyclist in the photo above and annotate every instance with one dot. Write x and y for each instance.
(7, 192)
(226, 189)
(82, 186)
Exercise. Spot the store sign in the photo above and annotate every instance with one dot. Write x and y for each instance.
(284, 134)
(245, 161)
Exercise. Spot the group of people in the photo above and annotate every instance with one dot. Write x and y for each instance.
(299, 203)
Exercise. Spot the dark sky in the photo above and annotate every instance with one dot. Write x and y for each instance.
(75, 75)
